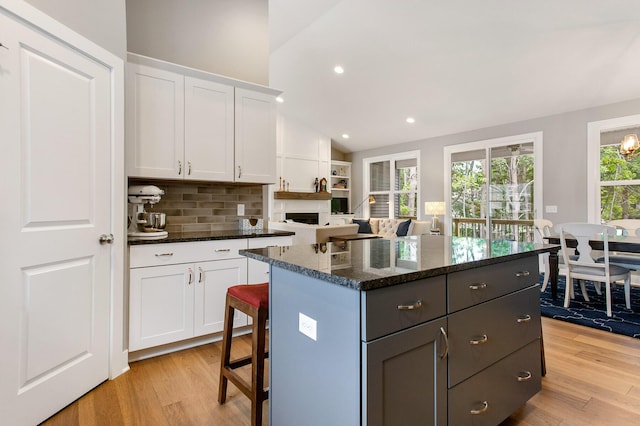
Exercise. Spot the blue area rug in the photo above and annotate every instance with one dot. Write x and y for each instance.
(594, 313)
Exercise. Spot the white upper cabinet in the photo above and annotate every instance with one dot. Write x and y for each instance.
(255, 133)
(154, 122)
(188, 124)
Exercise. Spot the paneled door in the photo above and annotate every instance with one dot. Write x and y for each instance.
(55, 274)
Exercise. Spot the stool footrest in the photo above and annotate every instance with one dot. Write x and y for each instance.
(245, 360)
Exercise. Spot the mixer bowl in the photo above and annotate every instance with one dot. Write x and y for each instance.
(158, 221)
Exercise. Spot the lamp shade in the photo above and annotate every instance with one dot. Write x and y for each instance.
(434, 208)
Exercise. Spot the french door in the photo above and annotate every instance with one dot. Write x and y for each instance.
(493, 188)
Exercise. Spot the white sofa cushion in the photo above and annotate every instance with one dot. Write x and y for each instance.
(387, 227)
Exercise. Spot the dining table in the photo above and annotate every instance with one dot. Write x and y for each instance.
(617, 243)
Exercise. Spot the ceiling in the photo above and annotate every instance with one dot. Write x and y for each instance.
(453, 65)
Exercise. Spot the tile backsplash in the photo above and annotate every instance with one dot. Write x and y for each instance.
(204, 206)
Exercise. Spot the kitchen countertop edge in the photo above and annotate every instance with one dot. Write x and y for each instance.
(184, 237)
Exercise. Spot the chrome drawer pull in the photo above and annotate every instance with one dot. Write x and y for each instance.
(200, 274)
(485, 407)
(524, 318)
(524, 376)
(446, 343)
(190, 276)
(221, 250)
(479, 340)
(522, 274)
(416, 305)
(163, 254)
(480, 286)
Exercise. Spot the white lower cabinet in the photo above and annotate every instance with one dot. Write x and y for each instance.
(177, 291)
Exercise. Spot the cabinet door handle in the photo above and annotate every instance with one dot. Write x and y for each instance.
(179, 167)
(222, 250)
(190, 276)
(443, 332)
(189, 169)
(239, 172)
(163, 254)
(479, 340)
(484, 407)
(414, 306)
(200, 274)
(524, 376)
(524, 318)
(2, 45)
(480, 286)
(522, 274)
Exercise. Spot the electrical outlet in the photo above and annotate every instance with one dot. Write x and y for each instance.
(551, 209)
(308, 326)
(240, 209)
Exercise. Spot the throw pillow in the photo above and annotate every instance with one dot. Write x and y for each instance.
(403, 228)
(364, 227)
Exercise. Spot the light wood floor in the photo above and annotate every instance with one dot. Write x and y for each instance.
(593, 378)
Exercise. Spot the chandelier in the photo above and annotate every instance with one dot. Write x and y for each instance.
(629, 146)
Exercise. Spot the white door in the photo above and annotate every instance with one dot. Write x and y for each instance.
(208, 130)
(55, 128)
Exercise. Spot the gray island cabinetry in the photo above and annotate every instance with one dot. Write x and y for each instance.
(425, 330)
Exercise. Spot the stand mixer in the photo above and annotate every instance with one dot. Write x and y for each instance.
(140, 226)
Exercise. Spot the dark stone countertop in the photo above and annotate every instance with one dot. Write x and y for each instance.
(376, 263)
(183, 237)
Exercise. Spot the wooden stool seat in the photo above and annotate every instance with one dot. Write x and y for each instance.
(253, 300)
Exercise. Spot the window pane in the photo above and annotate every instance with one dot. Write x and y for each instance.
(380, 176)
(619, 202)
(406, 204)
(381, 207)
(613, 166)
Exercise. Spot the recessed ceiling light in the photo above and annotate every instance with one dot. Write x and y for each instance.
(279, 99)
(411, 120)
(338, 69)
(345, 136)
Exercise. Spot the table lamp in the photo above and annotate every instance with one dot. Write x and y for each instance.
(434, 208)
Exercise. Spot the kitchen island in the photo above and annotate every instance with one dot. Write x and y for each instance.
(413, 331)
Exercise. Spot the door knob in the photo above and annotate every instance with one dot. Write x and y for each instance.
(106, 239)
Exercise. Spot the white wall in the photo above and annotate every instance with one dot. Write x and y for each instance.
(101, 21)
(302, 156)
(227, 37)
(564, 157)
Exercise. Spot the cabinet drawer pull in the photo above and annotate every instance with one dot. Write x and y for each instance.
(239, 172)
(524, 318)
(522, 274)
(189, 169)
(485, 407)
(179, 167)
(524, 376)
(412, 307)
(222, 250)
(480, 286)
(190, 276)
(163, 254)
(443, 332)
(479, 340)
(200, 274)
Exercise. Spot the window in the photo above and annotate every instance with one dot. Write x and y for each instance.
(391, 185)
(614, 181)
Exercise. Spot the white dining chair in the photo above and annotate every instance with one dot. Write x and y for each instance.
(585, 266)
(544, 229)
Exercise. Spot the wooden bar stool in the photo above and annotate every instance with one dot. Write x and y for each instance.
(253, 300)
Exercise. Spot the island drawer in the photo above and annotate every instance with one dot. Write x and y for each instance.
(492, 395)
(390, 309)
(174, 253)
(481, 335)
(473, 286)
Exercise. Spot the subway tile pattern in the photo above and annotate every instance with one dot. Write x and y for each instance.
(192, 207)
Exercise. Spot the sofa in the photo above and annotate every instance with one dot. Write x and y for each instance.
(388, 227)
(312, 234)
